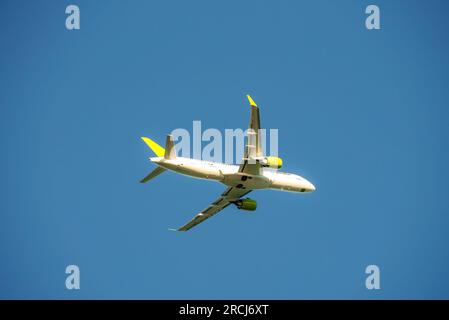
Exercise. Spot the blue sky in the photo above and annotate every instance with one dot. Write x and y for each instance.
(362, 114)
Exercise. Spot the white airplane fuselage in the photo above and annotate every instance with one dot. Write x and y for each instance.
(228, 175)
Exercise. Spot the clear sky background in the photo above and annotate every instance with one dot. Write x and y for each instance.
(362, 114)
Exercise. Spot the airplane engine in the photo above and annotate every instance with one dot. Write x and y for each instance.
(246, 204)
(271, 162)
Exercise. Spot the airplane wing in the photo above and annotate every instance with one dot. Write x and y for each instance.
(253, 148)
(231, 194)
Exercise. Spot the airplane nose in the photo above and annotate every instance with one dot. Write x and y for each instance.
(312, 187)
(305, 185)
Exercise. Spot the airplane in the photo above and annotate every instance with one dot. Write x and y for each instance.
(255, 172)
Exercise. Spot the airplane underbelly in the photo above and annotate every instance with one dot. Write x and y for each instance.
(287, 185)
(241, 180)
(199, 171)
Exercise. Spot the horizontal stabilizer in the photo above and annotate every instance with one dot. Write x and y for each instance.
(153, 174)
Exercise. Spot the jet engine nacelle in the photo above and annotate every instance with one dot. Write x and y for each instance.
(271, 162)
(246, 204)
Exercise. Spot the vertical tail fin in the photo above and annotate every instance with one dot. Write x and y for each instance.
(168, 153)
(157, 149)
